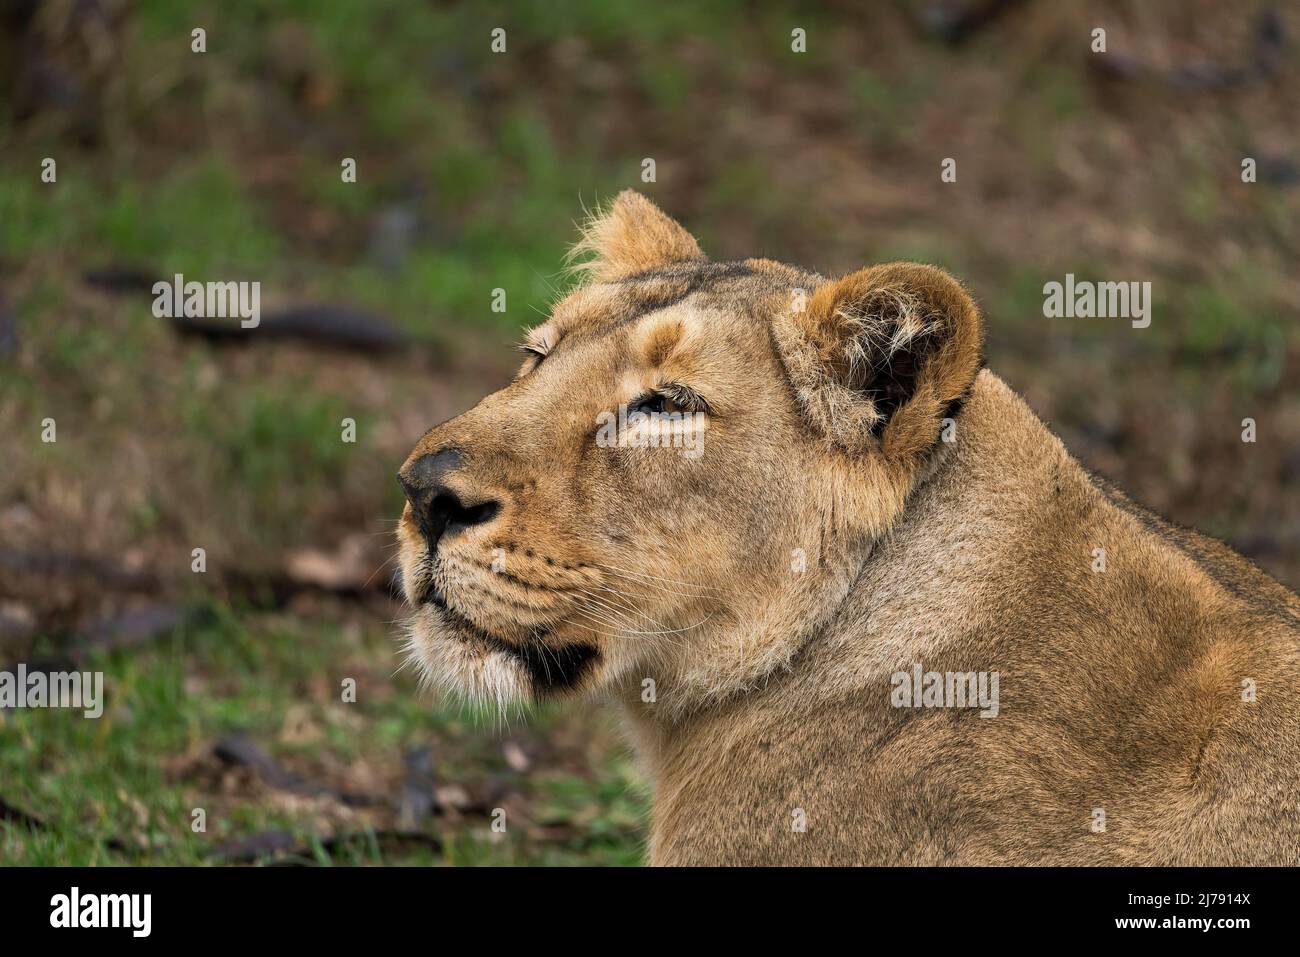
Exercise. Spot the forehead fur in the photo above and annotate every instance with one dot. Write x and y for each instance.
(697, 346)
(662, 336)
(599, 307)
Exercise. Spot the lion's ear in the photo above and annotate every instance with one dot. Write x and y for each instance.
(629, 237)
(880, 357)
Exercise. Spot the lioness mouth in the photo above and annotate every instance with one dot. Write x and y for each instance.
(550, 669)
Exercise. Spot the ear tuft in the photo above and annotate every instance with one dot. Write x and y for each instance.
(882, 355)
(631, 236)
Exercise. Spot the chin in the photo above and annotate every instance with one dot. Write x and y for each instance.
(456, 655)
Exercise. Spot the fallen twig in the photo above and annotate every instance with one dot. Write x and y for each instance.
(243, 751)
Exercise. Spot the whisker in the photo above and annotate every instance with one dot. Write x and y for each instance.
(388, 561)
(625, 606)
(658, 591)
(640, 633)
(645, 576)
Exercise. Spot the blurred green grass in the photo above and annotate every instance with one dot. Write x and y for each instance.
(236, 671)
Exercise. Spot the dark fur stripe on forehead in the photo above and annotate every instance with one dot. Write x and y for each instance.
(682, 281)
(631, 298)
(657, 289)
(714, 278)
(696, 274)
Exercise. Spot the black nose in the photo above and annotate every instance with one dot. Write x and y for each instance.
(439, 510)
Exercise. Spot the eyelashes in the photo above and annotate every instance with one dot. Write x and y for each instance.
(684, 397)
(681, 398)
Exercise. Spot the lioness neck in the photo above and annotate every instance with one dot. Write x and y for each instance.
(918, 597)
(1010, 562)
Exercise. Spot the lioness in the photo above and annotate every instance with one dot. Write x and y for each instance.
(860, 605)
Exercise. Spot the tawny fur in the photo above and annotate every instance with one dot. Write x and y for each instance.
(749, 607)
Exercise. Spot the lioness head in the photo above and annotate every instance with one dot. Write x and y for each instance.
(684, 474)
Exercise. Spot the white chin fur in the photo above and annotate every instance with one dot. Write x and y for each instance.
(464, 667)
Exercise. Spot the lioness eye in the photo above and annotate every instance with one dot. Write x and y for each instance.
(654, 404)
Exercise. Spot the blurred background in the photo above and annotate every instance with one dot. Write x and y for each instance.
(224, 688)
